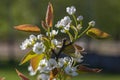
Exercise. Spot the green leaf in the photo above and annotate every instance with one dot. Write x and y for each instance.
(36, 60)
(28, 56)
(22, 76)
(97, 33)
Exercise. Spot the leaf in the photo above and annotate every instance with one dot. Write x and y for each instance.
(44, 25)
(36, 60)
(23, 77)
(97, 33)
(49, 15)
(71, 49)
(27, 28)
(27, 57)
(86, 69)
(78, 48)
(53, 73)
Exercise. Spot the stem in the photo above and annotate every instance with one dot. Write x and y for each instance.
(62, 48)
(74, 19)
(84, 31)
(70, 35)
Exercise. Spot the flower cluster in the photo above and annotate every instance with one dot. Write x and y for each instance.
(55, 59)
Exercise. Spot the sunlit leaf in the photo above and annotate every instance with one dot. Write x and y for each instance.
(53, 73)
(86, 69)
(44, 25)
(28, 56)
(97, 33)
(36, 60)
(23, 77)
(49, 15)
(27, 28)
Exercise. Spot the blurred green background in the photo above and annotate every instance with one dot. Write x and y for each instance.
(106, 13)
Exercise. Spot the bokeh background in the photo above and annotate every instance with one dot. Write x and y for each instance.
(102, 54)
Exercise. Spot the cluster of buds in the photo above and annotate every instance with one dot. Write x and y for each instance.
(55, 59)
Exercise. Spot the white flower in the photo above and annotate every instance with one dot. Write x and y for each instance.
(44, 66)
(39, 37)
(79, 27)
(52, 33)
(61, 62)
(71, 71)
(80, 18)
(63, 22)
(56, 43)
(32, 72)
(71, 10)
(52, 64)
(78, 57)
(43, 77)
(38, 48)
(66, 28)
(25, 44)
(92, 23)
(32, 38)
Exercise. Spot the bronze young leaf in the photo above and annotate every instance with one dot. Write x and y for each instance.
(27, 28)
(86, 69)
(49, 15)
(23, 77)
(97, 33)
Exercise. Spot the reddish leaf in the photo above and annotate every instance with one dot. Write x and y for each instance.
(49, 15)
(86, 69)
(44, 25)
(54, 73)
(36, 60)
(23, 77)
(27, 28)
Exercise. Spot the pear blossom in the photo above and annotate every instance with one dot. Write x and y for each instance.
(92, 23)
(80, 18)
(32, 38)
(71, 10)
(32, 72)
(52, 64)
(77, 57)
(63, 22)
(56, 43)
(79, 27)
(39, 37)
(38, 47)
(71, 70)
(25, 44)
(43, 77)
(44, 66)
